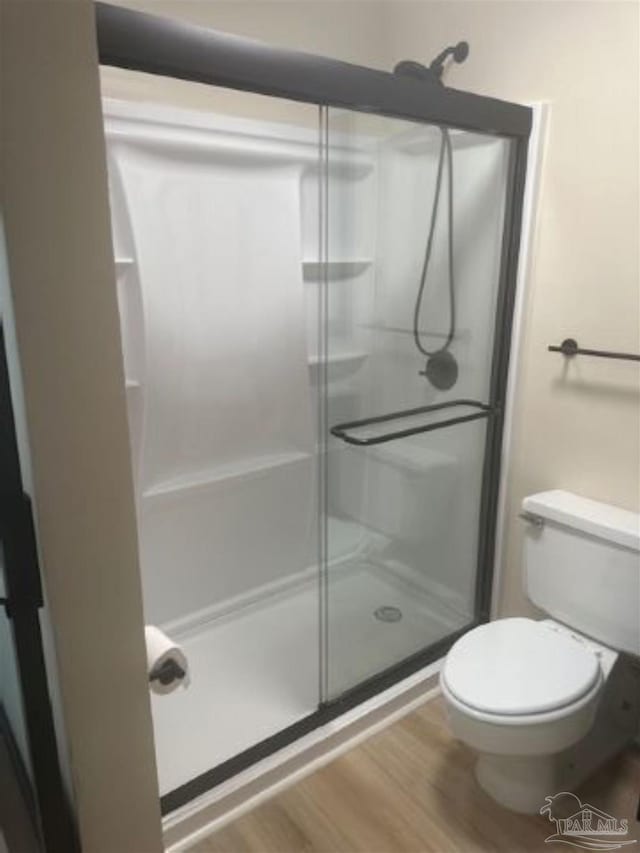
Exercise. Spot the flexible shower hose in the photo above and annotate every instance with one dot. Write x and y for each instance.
(445, 150)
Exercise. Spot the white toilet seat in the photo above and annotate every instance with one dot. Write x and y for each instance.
(519, 670)
(517, 720)
(516, 687)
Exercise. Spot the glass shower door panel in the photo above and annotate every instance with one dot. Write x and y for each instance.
(414, 220)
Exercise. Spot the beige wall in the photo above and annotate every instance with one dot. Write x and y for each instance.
(62, 282)
(577, 426)
(351, 30)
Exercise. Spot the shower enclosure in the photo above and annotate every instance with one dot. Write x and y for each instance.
(316, 511)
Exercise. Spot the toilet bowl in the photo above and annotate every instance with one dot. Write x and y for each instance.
(543, 704)
(520, 693)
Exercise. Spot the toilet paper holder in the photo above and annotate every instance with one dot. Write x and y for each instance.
(168, 672)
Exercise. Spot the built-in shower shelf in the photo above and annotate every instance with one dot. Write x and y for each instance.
(314, 270)
(239, 469)
(461, 334)
(339, 359)
(123, 264)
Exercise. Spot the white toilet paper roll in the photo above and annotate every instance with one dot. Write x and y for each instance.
(162, 652)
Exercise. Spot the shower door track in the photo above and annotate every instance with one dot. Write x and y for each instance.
(157, 45)
(160, 46)
(327, 711)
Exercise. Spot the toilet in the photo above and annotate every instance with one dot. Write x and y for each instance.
(545, 702)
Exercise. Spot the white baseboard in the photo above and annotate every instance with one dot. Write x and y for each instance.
(231, 799)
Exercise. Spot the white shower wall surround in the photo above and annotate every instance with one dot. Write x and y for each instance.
(216, 223)
(225, 436)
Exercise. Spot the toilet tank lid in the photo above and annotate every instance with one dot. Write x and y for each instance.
(620, 526)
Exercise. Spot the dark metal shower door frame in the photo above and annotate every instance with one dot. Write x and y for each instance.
(165, 47)
(43, 791)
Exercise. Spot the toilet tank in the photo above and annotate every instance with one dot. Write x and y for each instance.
(582, 566)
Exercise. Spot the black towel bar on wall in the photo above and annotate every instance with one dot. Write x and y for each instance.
(569, 347)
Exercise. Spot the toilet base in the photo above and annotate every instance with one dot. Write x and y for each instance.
(521, 783)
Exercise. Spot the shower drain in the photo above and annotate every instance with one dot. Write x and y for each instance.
(388, 613)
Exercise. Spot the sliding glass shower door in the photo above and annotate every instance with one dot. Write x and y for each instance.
(315, 342)
(413, 234)
(215, 223)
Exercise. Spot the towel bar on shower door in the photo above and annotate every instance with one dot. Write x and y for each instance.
(342, 430)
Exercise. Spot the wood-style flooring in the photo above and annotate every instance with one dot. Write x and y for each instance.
(411, 789)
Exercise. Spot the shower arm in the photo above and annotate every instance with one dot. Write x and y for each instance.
(434, 71)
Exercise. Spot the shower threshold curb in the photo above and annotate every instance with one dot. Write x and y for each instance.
(226, 802)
